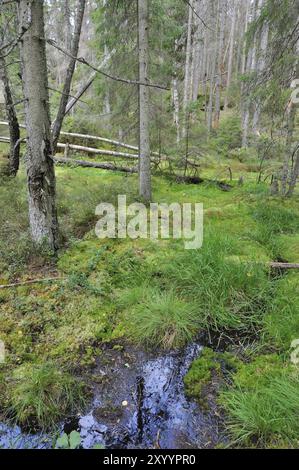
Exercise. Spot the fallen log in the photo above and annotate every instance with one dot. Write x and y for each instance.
(197, 180)
(110, 153)
(277, 265)
(188, 179)
(31, 281)
(80, 148)
(93, 137)
(87, 164)
(99, 139)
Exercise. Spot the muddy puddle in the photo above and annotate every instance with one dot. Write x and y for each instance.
(139, 402)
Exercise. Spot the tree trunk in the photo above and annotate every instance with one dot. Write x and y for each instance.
(291, 117)
(230, 56)
(260, 67)
(291, 122)
(219, 65)
(68, 25)
(40, 166)
(69, 73)
(144, 143)
(14, 130)
(196, 54)
(250, 66)
(176, 100)
(294, 176)
(87, 164)
(176, 108)
(85, 86)
(187, 79)
(212, 70)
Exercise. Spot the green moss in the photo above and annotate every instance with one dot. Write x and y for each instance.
(154, 293)
(261, 371)
(231, 361)
(203, 369)
(200, 373)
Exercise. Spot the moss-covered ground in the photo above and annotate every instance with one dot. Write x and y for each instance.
(156, 294)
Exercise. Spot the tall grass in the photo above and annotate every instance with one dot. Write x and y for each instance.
(40, 395)
(159, 319)
(227, 294)
(273, 220)
(264, 414)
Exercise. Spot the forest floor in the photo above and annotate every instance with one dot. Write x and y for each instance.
(156, 296)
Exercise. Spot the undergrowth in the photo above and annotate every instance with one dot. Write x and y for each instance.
(155, 294)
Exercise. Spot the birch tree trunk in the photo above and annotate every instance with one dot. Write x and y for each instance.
(230, 56)
(196, 54)
(291, 122)
(294, 176)
(204, 71)
(295, 172)
(219, 65)
(144, 143)
(14, 130)
(212, 70)
(107, 106)
(85, 86)
(39, 161)
(175, 97)
(176, 108)
(57, 125)
(68, 26)
(246, 103)
(291, 118)
(187, 80)
(263, 43)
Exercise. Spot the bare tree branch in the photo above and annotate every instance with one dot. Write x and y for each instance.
(12, 44)
(65, 94)
(107, 75)
(196, 14)
(57, 124)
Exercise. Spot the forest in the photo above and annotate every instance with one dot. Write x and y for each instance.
(149, 224)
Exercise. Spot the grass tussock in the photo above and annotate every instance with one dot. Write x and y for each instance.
(228, 294)
(264, 414)
(40, 395)
(160, 319)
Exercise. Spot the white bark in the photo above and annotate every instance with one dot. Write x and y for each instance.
(250, 66)
(219, 63)
(57, 125)
(196, 54)
(187, 80)
(260, 67)
(212, 71)
(230, 56)
(176, 99)
(144, 143)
